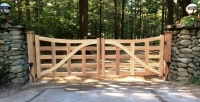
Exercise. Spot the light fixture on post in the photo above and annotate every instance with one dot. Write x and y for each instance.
(191, 9)
(5, 10)
(175, 1)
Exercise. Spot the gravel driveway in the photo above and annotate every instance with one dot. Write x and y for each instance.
(128, 89)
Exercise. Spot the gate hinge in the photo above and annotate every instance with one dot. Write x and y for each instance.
(168, 64)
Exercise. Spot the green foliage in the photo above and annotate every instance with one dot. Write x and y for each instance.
(189, 21)
(194, 80)
(4, 71)
(60, 18)
(2, 17)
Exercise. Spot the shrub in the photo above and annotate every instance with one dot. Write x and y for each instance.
(195, 80)
(189, 21)
(4, 71)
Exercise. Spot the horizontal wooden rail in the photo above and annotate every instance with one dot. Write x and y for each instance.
(63, 56)
(65, 40)
(63, 48)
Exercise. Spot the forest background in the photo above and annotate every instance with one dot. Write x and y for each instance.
(115, 19)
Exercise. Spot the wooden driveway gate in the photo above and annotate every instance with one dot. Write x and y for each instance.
(100, 57)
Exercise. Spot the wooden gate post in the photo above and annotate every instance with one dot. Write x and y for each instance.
(167, 54)
(98, 57)
(103, 57)
(31, 55)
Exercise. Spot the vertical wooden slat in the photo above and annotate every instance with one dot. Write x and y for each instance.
(117, 60)
(132, 62)
(162, 40)
(147, 55)
(167, 53)
(84, 61)
(38, 61)
(103, 56)
(98, 57)
(69, 61)
(31, 54)
(53, 53)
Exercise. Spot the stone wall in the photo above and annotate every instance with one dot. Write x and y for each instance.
(13, 52)
(185, 54)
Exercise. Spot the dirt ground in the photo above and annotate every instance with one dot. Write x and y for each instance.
(10, 88)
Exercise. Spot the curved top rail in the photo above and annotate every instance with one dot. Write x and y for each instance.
(64, 40)
(148, 39)
(138, 40)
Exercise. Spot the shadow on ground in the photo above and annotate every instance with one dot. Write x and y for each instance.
(115, 89)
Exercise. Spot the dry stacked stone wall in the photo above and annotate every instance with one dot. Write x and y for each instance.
(185, 62)
(13, 52)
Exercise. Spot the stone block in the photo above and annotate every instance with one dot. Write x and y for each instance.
(16, 37)
(173, 64)
(20, 74)
(19, 62)
(190, 70)
(11, 76)
(182, 74)
(190, 76)
(182, 65)
(16, 45)
(191, 65)
(185, 42)
(18, 80)
(198, 72)
(4, 47)
(1, 60)
(17, 69)
(186, 56)
(176, 32)
(17, 41)
(198, 34)
(15, 53)
(182, 70)
(194, 42)
(185, 60)
(182, 79)
(15, 57)
(195, 53)
(193, 38)
(185, 50)
(15, 32)
(185, 37)
(1, 53)
(184, 32)
(196, 48)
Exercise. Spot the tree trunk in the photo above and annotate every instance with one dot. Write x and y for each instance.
(19, 10)
(184, 4)
(83, 8)
(135, 19)
(116, 20)
(122, 21)
(140, 24)
(37, 9)
(170, 12)
(28, 15)
(100, 19)
(131, 27)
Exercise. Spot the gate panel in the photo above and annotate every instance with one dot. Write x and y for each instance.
(144, 60)
(51, 63)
